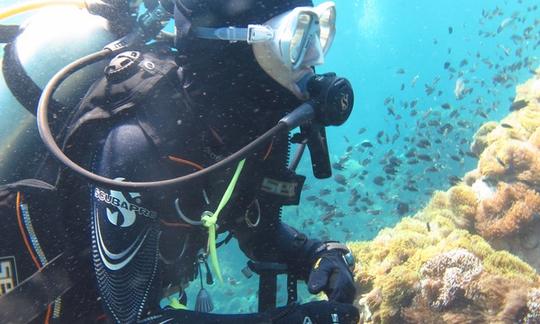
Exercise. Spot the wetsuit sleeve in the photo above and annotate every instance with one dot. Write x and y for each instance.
(274, 241)
(125, 225)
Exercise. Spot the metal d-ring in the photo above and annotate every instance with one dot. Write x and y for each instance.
(248, 221)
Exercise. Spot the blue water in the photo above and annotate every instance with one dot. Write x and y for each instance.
(381, 46)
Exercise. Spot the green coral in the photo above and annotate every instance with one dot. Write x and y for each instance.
(509, 266)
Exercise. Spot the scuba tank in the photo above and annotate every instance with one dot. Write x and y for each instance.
(46, 42)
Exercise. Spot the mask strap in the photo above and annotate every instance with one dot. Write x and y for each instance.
(251, 34)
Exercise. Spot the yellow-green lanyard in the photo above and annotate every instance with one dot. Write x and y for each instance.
(209, 221)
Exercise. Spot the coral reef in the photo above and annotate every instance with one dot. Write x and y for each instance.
(458, 259)
(403, 268)
(511, 160)
(533, 305)
(463, 202)
(511, 207)
(480, 141)
(448, 275)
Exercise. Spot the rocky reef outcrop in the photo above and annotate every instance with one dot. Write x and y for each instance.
(472, 254)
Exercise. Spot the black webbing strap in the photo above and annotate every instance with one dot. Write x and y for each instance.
(8, 33)
(31, 297)
(268, 272)
(23, 88)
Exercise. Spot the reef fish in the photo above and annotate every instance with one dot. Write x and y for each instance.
(517, 105)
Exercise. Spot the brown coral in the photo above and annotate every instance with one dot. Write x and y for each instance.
(512, 207)
(511, 160)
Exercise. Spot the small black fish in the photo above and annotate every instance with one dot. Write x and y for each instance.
(455, 158)
(339, 178)
(338, 166)
(341, 189)
(379, 181)
(324, 192)
(374, 211)
(366, 143)
(505, 125)
(411, 153)
(361, 131)
(446, 65)
(517, 105)
(446, 106)
(402, 208)
(450, 29)
(423, 143)
(311, 198)
(501, 162)
(445, 129)
(453, 180)
(424, 157)
(454, 114)
(463, 63)
(400, 71)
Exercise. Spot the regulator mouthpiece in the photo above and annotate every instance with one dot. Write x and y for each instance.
(334, 98)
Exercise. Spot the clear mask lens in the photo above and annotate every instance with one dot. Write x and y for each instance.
(300, 37)
(327, 20)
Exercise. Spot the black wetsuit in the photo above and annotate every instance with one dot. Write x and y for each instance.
(139, 242)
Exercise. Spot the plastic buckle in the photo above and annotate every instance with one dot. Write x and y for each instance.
(259, 34)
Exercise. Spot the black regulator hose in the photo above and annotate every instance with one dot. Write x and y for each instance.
(300, 115)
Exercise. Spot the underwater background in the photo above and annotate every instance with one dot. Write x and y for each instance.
(426, 75)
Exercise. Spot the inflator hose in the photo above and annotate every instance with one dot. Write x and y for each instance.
(52, 146)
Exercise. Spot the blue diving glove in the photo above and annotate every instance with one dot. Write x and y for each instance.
(332, 273)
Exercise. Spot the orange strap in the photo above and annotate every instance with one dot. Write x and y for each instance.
(174, 224)
(268, 150)
(182, 161)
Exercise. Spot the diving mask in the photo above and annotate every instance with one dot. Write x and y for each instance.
(286, 46)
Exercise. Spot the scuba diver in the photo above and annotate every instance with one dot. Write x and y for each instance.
(178, 140)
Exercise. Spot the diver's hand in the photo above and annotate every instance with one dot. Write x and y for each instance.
(331, 274)
(319, 312)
